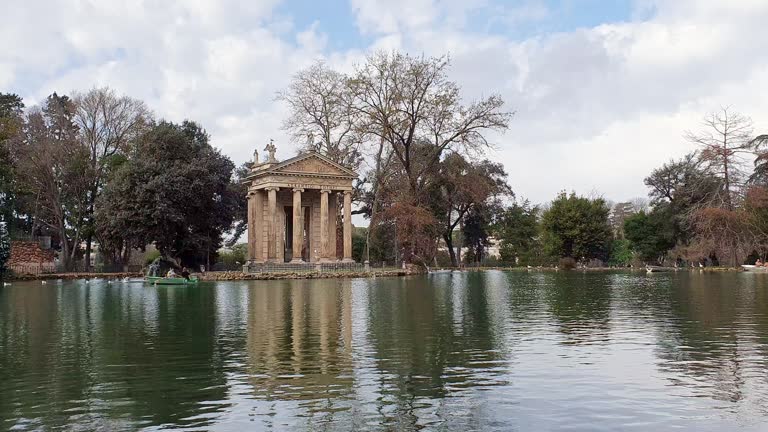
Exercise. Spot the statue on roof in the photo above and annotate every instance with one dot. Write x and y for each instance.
(271, 149)
(310, 141)
(256, 156)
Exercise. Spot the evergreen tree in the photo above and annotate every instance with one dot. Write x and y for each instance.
(577, 227)
(517, 230)
(174, 192)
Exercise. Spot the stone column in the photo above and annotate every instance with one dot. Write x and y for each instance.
(332, 216)
(258, 226)
(348, 227)
(298, 226)
(325, 253)
(272, 216)
(255, 224)
(251, 222)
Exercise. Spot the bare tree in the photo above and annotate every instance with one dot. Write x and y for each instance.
(410, 104)
(320, 116)
(378, 176)
(108, 123)
(54, 172)
(465, 186)
(726, 143)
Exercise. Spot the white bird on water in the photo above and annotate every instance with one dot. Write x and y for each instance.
(43, 282)
(6, 284)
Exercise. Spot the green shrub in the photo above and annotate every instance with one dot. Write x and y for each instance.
(151, 256)
(621, 253)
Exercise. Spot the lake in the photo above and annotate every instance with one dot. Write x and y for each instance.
(447, 351)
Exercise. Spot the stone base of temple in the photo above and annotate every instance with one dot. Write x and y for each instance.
(271, 267)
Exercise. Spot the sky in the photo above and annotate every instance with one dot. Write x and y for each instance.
(603, 90)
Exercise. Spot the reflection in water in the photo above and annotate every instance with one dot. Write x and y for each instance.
(298, 347)
(448, 351)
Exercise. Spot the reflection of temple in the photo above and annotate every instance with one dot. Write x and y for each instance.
(299, 339)
(292, 207)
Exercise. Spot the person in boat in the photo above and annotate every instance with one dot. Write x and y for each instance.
(153, 269)
(185, 273)
(171, 274)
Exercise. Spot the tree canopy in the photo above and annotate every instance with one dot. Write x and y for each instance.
(517, 229)
(577, 227)
(650, 235)
(174, 192)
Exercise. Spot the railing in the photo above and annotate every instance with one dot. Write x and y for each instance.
(49, 268)
(33, 268)
(79, 267)
(305, 267)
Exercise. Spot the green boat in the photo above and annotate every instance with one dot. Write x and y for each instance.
(170, 281)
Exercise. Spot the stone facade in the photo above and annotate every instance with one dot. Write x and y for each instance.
(292, 209)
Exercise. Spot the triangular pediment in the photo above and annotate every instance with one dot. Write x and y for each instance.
(312, 163)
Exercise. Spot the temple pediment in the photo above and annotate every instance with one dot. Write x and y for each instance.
(311, 164)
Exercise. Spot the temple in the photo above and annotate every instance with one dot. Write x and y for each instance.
(292, 210)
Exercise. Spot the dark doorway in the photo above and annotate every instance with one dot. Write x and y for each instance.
(303, 249)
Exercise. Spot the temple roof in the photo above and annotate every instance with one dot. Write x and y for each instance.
(310, 163)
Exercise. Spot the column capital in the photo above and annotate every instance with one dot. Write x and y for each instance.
(298, 189)
(347, 192)
(325, 191)
(271, 188)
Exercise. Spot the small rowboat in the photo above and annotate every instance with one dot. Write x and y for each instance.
(170, 281)
(755, 269)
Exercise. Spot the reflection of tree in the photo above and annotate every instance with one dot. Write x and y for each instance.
(164, 368)
(40, 363)
(714, 333)
(110, 357)
(581, 304)
(299, 345)
(431, 340)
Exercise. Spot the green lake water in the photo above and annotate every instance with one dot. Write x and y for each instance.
(508, 351)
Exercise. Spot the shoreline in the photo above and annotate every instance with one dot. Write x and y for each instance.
(223, 275)
(240, 276)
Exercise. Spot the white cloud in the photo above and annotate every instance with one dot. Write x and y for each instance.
(393, 16)
(598, 108)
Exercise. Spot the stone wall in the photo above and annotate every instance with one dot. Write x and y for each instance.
(237, 276)
(29, 252)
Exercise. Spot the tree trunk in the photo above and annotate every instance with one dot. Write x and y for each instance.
(87, 258)
(374, 205)
(126, 258)
(460, 241)
(449, 244)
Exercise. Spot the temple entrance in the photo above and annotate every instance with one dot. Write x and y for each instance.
(303, 250)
